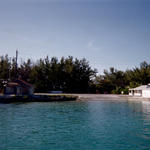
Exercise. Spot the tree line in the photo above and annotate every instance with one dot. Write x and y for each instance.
(69, 74)
(72, 75)
(116, 81)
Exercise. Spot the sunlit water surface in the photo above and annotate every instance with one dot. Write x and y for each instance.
(92, 125)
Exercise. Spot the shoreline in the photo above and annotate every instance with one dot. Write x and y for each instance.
(36, 98)
(49, 97)
(109, 97)
(106, 97)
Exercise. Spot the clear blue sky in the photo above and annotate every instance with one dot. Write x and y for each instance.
(105, 32)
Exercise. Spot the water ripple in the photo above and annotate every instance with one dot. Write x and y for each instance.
(94, 125)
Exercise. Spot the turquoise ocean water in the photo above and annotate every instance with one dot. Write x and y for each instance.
(93, 125)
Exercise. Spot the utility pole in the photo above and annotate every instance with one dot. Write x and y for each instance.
(16, 64)
(10, 69)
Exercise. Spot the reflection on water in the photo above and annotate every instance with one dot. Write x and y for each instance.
(146, 108)
(95, 125)
(146, 119)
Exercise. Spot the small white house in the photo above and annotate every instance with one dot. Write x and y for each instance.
(141, 91)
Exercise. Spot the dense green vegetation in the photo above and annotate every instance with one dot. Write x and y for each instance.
(72, 75)
(115, 81)
(67, 74)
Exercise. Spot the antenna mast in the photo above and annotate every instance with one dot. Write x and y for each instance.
(16, 64)
(10, 69)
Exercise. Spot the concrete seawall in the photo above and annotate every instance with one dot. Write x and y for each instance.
(37, 98)
(101, 97)
(109, 97)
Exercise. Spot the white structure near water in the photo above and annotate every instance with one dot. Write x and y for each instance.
(141, 91)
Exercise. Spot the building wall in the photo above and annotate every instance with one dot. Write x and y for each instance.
(31, 90)
(130, 94)
(18, 91)
(9, 90)
(27, 91)
(146, 93)
(137, 94)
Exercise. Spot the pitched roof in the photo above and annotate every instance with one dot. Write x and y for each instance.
(12, 84)
(19, 83)
(23, 83)
(142, 87)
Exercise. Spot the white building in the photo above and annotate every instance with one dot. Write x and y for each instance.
(141, 91)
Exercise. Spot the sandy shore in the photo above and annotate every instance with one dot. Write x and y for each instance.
(102, 97)
(109, 97)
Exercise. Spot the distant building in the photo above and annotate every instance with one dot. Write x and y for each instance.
(141, 91)
(18, 87)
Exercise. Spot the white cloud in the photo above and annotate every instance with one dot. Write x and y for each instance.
(90, 44)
